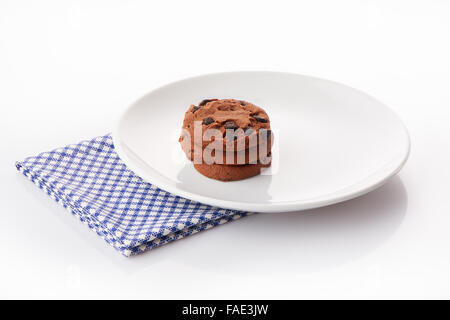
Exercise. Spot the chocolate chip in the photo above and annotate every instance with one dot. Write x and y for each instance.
(195, 108)
(207, 121)
(230, 125)
(259, 119)
(205, 101)
(242, 103)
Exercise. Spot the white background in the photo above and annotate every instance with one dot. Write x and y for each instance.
(68, 68)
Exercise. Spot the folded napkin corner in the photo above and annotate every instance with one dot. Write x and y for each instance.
(132, 215)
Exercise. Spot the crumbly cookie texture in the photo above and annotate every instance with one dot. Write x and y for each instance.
(229, 173)
(226, 114)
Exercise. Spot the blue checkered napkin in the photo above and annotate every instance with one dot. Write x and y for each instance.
(92, 182)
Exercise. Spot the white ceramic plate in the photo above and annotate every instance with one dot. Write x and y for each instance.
(333, 142)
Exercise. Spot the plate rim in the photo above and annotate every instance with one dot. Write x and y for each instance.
(282, 206)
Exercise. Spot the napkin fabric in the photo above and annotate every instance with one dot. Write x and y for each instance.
(91, 181)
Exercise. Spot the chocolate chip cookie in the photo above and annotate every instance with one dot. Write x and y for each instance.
(227, 139)
(227, 114)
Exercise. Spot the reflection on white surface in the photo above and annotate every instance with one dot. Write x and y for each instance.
(299, 242)
(257, 187)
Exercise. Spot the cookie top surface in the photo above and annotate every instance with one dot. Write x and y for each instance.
(223, 114)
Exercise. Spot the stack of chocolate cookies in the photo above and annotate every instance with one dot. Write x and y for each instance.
(227, 139)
